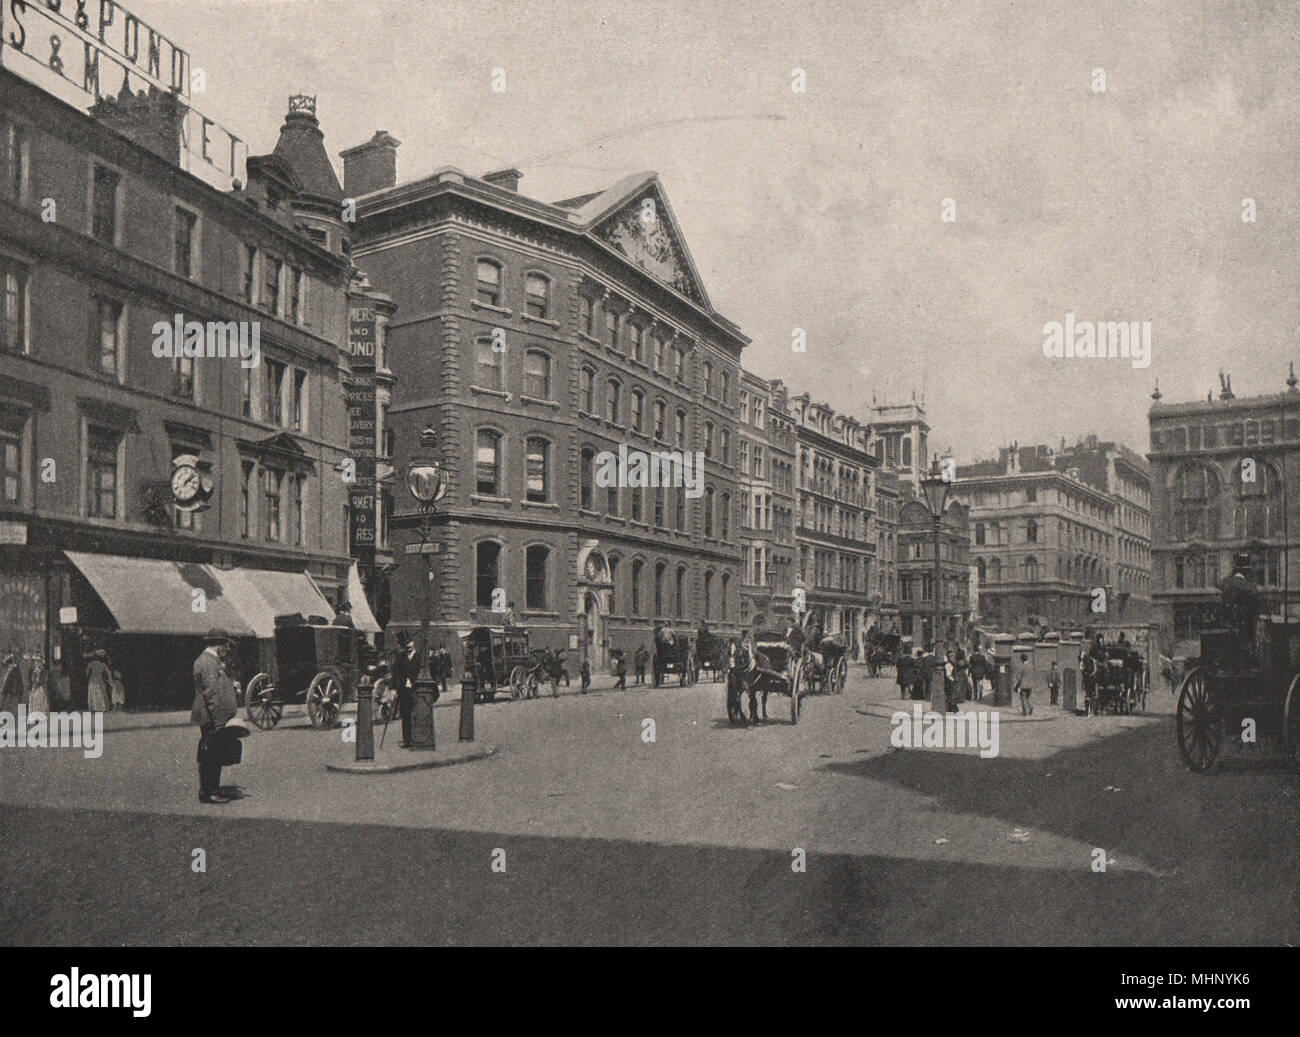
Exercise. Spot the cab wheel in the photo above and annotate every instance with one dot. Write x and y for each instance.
(261, 703)
(324, 699)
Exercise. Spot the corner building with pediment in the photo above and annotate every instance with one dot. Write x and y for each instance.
(533, 337)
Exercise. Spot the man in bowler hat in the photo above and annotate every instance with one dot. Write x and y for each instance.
(214, 705)
(406, 667)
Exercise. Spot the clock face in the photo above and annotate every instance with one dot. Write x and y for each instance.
(185, 483)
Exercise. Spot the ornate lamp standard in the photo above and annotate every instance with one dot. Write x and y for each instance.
(935, 488)
(426, 479)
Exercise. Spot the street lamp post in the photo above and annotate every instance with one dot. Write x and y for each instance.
(935, 488)
(426, 480)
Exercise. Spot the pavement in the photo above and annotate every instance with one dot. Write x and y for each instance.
(643, 817)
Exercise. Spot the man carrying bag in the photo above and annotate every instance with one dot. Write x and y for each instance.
(214, 705)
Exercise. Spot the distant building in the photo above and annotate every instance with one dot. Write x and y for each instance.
(884, 589)
(916, 572)
(900, 436)
(1056, 533)
(1221, 469)
(767, 502)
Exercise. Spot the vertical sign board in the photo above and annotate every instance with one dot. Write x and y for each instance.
(361, 432)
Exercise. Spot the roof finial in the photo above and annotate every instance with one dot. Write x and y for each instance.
(1291, 380)
(1156, 393)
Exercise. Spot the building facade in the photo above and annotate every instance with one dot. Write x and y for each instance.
(900, 440)
(1051, 529)
(546, 344)
(206, 474)
(916, 572)
(1220, 472)
(834, 533)
(884, 590)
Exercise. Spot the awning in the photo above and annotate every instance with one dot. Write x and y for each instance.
(362, 618)
(148, 596)
(260, 595)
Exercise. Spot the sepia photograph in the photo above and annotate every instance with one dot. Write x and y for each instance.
(650, 473)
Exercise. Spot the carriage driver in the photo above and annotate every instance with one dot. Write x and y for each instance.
(1241, 603)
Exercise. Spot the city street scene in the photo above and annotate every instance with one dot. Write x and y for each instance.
(581, 472)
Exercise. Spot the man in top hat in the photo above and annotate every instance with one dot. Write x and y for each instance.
(214, 705)
(1241, 603)
(406, 667)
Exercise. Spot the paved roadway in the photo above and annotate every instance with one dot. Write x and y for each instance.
(608, 838)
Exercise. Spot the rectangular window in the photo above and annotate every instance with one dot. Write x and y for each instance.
(186, 225)
(537, 293)
(17, 158)
(11, 459)
(101, 472)
(274, 409)
(299, 400)
(586, 316)
(488, 365)
(271, 285)
(108, 328)
(536, 474)
(104, 205)
(246, 393)
(13, 327)
(183, 370)
(297, 518)
(274, 482)
(248, 274)
(294, 310)
(489, 283)
(246, 499)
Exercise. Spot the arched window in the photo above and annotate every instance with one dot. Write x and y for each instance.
(637, 565)
(995, 570)
(680, 497)
(489, 282)
(659, 354)
(487, 462)
(536, 581)
(979, 532)
(660, 568)
(707, 371)
(726, 398)
(613, 400)
(638, 410)
(708, 439)
(661, 519)
(537, 374)
(708, 511)
(612, 323)
(679, 363)
(613, 584)
(487, 567)
(586, 316)
(981, 569)
(726, 446)
(680, 595)
(1030, 568)
(1031, 531)
(587, 390)
(537, 296)
(722, 601)
(537, 470)
(681, 430)
(907, 451)
(708, 595)
(637, 333)
(661, 417)
(724, 516)
(1195, 502)
(587, 479)
(488, 372)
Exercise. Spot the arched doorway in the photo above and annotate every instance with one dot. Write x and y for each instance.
(593, 632)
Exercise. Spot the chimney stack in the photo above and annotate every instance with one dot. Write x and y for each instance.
(506, 178)
(371, 166)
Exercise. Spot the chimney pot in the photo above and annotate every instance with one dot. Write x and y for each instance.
(371, 166)
(505, 178)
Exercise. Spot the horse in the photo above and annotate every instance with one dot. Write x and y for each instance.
(750, 673)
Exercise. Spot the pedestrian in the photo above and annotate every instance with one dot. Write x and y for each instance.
(949, 684)
(904, 675)
(978, 670)
(118, 692)
(925, 674)
(443, 671)
(620, 669)
(1054, 684)
(99, 682)
(586, 675)
(961, 676)
(38, 697)
(405, 669)
(639, 661)
(214, 705)
(1024, 685)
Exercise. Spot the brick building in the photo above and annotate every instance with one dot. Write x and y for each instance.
(537, 339)
(916, 571)
(1220, 472)
(105, 244)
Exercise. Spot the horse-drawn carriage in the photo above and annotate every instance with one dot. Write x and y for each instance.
(826, 664)
(306, 660)
(774, 665)
(497, 658)
(1117, 674)
(1237, 679)
(674, 653)
(711, 653)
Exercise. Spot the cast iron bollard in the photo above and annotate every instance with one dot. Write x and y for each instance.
(365, 723)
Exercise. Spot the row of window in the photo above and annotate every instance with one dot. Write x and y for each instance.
(631, 598)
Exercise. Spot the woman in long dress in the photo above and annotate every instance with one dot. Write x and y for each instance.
(38, 699)
(99, 680)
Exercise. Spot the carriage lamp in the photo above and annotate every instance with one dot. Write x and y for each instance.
(935, 487)
(426, 479)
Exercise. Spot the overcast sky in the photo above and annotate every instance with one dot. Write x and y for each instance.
(822, 210)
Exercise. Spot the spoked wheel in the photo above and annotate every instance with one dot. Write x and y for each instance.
(518, 682)
(1291, 720)
(1200, 728)
(385, 701)
(263, 706)
(324, 698)
(796, 692)
(841, 676)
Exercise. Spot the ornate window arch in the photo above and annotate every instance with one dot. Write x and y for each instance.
(1195, 501)
(1257, 502)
